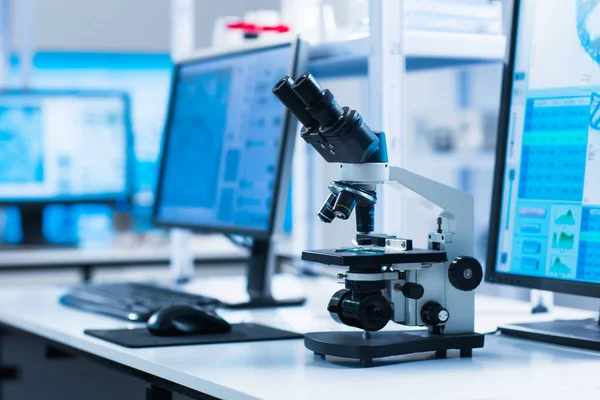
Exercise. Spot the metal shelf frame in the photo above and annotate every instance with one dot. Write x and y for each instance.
(422, 50)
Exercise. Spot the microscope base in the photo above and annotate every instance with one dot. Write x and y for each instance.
(389, 343)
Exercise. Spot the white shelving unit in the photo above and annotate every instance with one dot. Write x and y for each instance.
(467, 159)
(422, 49)
(454, 46)
(391, 53)
(384, 57)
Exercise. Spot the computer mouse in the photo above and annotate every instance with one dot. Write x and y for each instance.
(185, 320)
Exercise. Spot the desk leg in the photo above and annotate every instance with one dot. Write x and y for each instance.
(86, 273)
(7, 372)
(157, 393)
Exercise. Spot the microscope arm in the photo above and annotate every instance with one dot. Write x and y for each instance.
(456, 204)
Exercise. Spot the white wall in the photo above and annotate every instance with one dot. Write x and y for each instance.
(119, 25)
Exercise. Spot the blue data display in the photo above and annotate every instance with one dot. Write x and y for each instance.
(551, 227)
(551, 205)
(21, 145)
(223, 142)
(589, 245)
(63, 146)
(196, 139)
(554, 152)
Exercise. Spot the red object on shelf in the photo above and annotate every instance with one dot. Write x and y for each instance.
(281, 28)
(248, 27)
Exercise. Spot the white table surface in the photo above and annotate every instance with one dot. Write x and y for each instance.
(212, 247)
(506, 368)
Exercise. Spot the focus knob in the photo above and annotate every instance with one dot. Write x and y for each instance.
(433, 314)
(413, 290)
(465, 273)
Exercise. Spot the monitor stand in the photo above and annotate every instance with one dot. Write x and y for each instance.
(261, 266)
(584, 334)
(32, 226)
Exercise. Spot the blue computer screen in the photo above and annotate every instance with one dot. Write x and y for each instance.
(550, 215)
(146, 79)
(62, 147)
(223, 141)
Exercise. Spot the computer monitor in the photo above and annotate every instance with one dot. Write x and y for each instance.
(62, 147)
(545, 222)
(227, 152)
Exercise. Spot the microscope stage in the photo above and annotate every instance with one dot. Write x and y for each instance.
(378, 256)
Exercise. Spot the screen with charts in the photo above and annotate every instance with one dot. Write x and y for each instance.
(223, 141)
(550, 216)
(63, 147)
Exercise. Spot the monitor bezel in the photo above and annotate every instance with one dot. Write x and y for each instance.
(492, 275)
(298, 61)
(98, 198)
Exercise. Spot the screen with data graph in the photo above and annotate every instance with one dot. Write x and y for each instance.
(223, 141)
(550, 211)
(63, 146)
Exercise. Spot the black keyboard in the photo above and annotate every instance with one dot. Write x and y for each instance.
(130, 301)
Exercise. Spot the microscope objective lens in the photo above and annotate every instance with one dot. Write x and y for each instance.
(344, 205)
(326, 213)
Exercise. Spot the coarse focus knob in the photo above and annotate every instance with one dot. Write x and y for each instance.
(465, 273)
(434, 314)
(413, 290)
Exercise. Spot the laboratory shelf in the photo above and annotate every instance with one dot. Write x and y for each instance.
(482, 160)
(424, 50)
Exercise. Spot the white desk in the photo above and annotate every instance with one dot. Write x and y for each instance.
(207, 249)
(505, 368)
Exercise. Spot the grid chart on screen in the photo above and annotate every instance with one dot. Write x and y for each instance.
(588, 267)
(554, 149)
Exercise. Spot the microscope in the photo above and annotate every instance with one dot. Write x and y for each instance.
(386, 278)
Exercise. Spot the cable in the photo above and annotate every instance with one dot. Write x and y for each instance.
(492, 332)
(310, 269)
(241, 241)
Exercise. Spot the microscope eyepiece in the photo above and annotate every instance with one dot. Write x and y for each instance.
(308, 89)
(319, 102)
(337, 133)
(288, 97)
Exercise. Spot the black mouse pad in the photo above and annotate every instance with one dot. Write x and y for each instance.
(140, 337)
